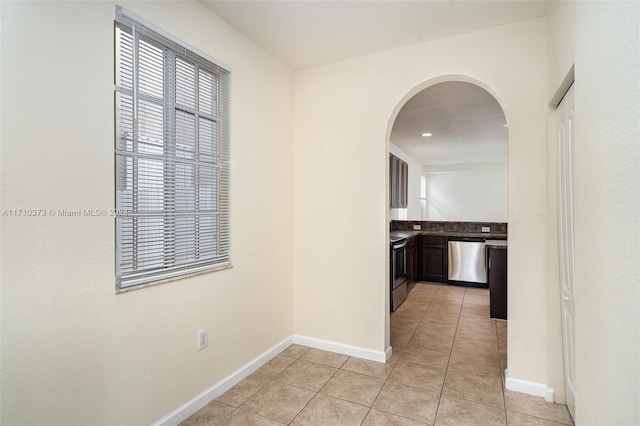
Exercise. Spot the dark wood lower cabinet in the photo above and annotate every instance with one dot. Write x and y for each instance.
(412, 259)
(432, 258)
(498, 282)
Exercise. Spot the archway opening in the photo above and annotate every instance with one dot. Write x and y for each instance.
(453, 133)
(454, 137)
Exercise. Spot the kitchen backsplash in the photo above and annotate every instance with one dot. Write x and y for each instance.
(407, 225)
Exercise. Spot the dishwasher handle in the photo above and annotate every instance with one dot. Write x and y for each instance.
(468, 239)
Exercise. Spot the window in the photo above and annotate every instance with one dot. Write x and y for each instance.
(171, 158)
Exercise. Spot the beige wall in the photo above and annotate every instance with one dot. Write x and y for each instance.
(559, 59)
(603, 40)
(343, 113)
(468, 192)
(73, 351)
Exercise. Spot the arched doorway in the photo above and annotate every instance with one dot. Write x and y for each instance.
(454, 129)
(456, 134)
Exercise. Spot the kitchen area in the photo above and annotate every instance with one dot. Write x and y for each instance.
(451, 253)
(448, 194)
(448, 248)
(448, 236)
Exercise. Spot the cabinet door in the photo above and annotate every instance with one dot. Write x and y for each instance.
(398, 182)
(432, 262)
(498, 282)
(398, 200)
(412, 258)
(404, 180)
(392, 180)
(410, 264)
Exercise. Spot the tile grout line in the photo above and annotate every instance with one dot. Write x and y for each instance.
(450, 350)
(273, 379)
(377, 396)
(502, 378)
(448, 361)
(386, 380)
(419, 320)
(269, 381)
(322, 387)
(495, 326)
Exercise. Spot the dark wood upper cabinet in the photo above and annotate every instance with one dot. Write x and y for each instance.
(398, 182)
(393, 181)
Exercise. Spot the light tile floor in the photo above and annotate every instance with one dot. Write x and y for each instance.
(446, 369)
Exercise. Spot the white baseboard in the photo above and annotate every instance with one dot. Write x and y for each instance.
(530, 388)
(192, 406)
(388, 353)
(327, 345)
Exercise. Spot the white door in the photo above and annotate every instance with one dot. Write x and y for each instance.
(564, 121)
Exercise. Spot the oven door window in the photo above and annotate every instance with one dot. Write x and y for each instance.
(399, 266)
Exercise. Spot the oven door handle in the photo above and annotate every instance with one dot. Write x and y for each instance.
(399, 246)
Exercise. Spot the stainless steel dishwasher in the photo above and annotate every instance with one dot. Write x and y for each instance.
(467, 260)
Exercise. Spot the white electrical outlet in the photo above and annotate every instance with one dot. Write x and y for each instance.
(486, 229)
(203, 339)
(416, 227)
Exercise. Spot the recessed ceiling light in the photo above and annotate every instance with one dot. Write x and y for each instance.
(426, 135)
(505, 125)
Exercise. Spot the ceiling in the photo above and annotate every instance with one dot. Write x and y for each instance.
(466, 123)
(308, 33)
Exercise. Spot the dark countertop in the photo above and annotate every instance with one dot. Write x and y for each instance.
(487, 235)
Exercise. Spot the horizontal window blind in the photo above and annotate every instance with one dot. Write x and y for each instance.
(171, 157)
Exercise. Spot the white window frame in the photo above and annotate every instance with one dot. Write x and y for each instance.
(172, 157)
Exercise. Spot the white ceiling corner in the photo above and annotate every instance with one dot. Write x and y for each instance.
(467, 123)
(308, 33)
